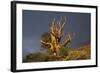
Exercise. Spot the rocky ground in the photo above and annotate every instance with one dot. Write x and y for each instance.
(65, 54)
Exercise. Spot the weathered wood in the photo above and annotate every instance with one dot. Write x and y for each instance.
(56, 33)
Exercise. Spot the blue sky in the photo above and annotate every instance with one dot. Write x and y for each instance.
(35, 23)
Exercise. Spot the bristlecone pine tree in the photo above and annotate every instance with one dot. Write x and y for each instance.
(52, 39)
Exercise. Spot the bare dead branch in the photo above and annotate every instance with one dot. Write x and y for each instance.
(67, 40)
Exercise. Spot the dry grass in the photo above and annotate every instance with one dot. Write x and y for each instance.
(65, 54)
(79, 54)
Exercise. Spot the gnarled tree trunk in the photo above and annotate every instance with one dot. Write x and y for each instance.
(56, 33)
